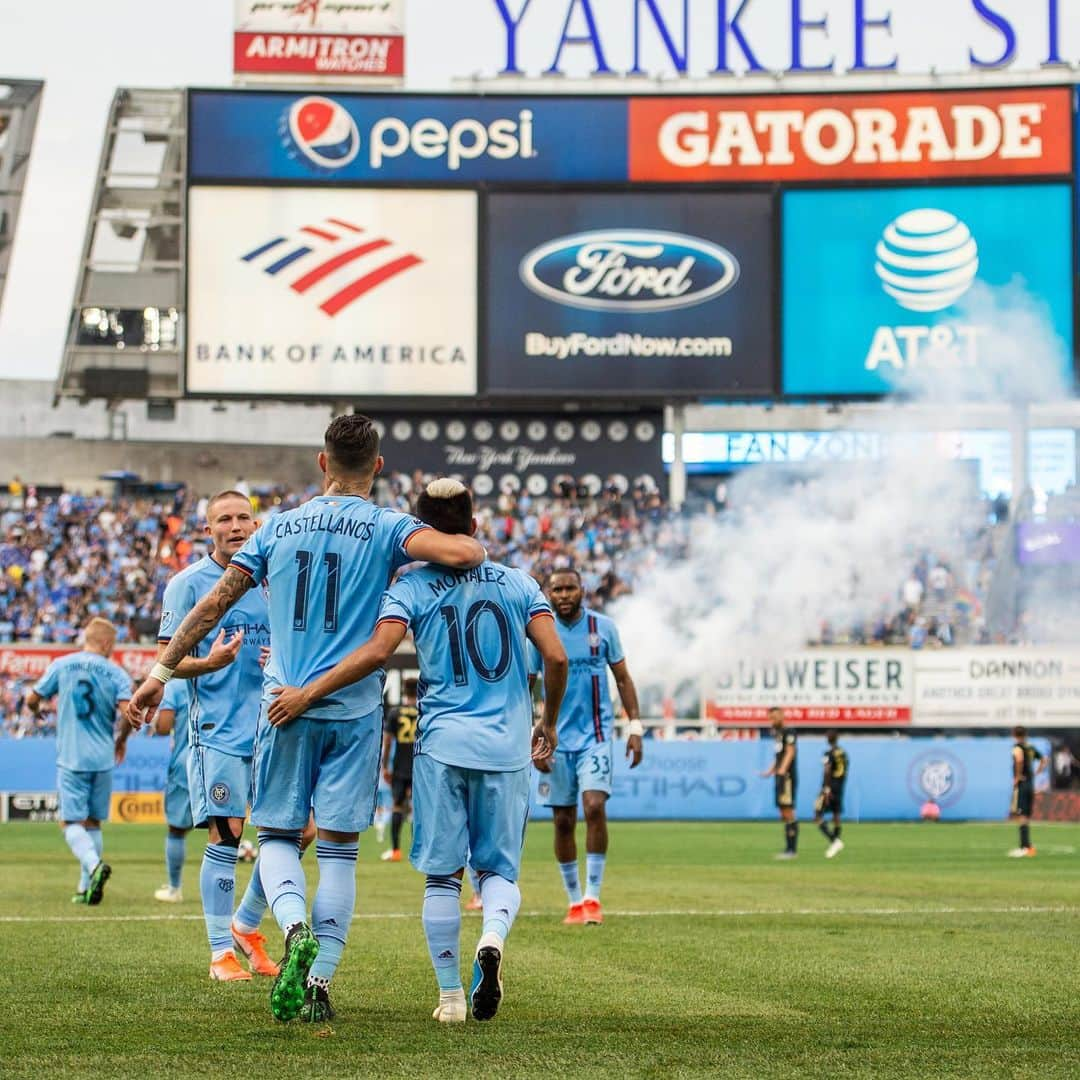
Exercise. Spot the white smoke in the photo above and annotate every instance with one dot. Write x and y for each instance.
(837, 543)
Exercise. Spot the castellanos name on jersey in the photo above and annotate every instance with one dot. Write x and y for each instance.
(328, 563)
(224, 705)
(592, 644)
(87, 687)
(469, 628)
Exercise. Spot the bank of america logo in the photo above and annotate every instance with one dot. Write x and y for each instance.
(326, 256)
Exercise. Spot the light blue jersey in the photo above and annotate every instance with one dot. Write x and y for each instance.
(225, 703)
(328, 563)
(88, 688)
(469, 628)
(178, 698)
(592, 646)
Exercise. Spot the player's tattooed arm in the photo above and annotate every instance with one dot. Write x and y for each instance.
(542, 633)
(205, 615)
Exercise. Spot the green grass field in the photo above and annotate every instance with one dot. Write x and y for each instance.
(920, 952)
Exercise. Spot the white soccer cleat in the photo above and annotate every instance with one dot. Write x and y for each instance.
(168, 895)
(451, 1008)
(1018, 853)
(834, 848)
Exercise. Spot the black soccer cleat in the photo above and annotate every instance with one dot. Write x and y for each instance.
(96, 889)
(486, 990)
(316, 1008)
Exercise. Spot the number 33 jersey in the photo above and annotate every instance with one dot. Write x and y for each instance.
(469, 627)
(328, 563)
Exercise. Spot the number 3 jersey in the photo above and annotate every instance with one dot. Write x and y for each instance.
(89, 688)
(469, 627)
(224, 704)
(328, 563)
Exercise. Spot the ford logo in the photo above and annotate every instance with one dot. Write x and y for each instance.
(639, 270)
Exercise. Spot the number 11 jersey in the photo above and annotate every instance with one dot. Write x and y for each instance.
(328, 563)
(469, 628)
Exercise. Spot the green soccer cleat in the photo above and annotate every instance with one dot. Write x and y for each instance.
(288, 992)
(316, 1008)
(96, 889)
(79, 898)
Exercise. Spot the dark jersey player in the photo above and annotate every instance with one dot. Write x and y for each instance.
(785, 770)
(1027, 762)
(831, 798)
(399, 735)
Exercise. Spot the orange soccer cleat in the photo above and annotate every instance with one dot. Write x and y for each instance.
(226, 968)
(253, 946)
(575, 915)
(475, 903)
(391, 855)
(594, 913)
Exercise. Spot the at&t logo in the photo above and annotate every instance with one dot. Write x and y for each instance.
(926, 260)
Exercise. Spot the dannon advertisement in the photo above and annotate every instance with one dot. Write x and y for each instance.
(332, 292)
(883, 289)
(319, 40)
(532, 453)
(634, 294)
(997, 687)
(852, 136)
(824, 687)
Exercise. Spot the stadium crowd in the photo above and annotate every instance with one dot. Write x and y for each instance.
(69, 556)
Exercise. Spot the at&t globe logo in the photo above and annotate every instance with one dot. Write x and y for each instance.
(322, 132)
(927, 259)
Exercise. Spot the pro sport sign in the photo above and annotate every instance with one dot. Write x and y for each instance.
(331, 293)
(330, 41)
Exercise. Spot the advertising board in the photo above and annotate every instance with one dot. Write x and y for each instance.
(538, 453)
(647, 294)
(332, 293)
(883, 286)
(1048, 543)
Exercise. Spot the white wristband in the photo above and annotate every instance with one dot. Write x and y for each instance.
(162, 673)
(635, 728)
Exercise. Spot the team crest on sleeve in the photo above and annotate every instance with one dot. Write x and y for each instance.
(220, 793)
(167, 619)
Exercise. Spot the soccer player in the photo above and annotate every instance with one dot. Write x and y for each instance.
(91, 688)
(471, 763)
(831, 798)
(785, 769)
(1027, 763)
(399, 735)
(327, 563)
(172, 718)
(224, 683)
(583, 761)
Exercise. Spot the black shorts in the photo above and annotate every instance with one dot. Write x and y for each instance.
(401, 787)
(830, 800)
(785, 792)
(1023, 799)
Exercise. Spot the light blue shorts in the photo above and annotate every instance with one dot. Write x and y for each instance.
(574, 771)
(467, 816)
(84, 794)
(220, 784)
(329, 766)
(178, 794)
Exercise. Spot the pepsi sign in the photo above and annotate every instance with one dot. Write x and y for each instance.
(255, 136)
(648, 295)
(629, 270)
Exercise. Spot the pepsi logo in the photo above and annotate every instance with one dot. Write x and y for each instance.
(926, 260)
(323, 132)
(638, 270)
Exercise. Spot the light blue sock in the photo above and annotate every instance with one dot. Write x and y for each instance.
(282, 877)
(83, 848)
(99, 846)
(442, 928)
(175, 847)
(332, 909)
(594, 874)
(217, 884)
(502, 899)
(571, 880)
(253, 906)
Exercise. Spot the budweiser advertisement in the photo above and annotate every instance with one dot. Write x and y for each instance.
(842, 687)
(331, 41)
(30, 661)
(881, 136)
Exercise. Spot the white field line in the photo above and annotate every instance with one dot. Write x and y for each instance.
(715, 913)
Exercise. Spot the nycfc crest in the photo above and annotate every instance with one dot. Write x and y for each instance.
(220, 793)
(594, 641)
